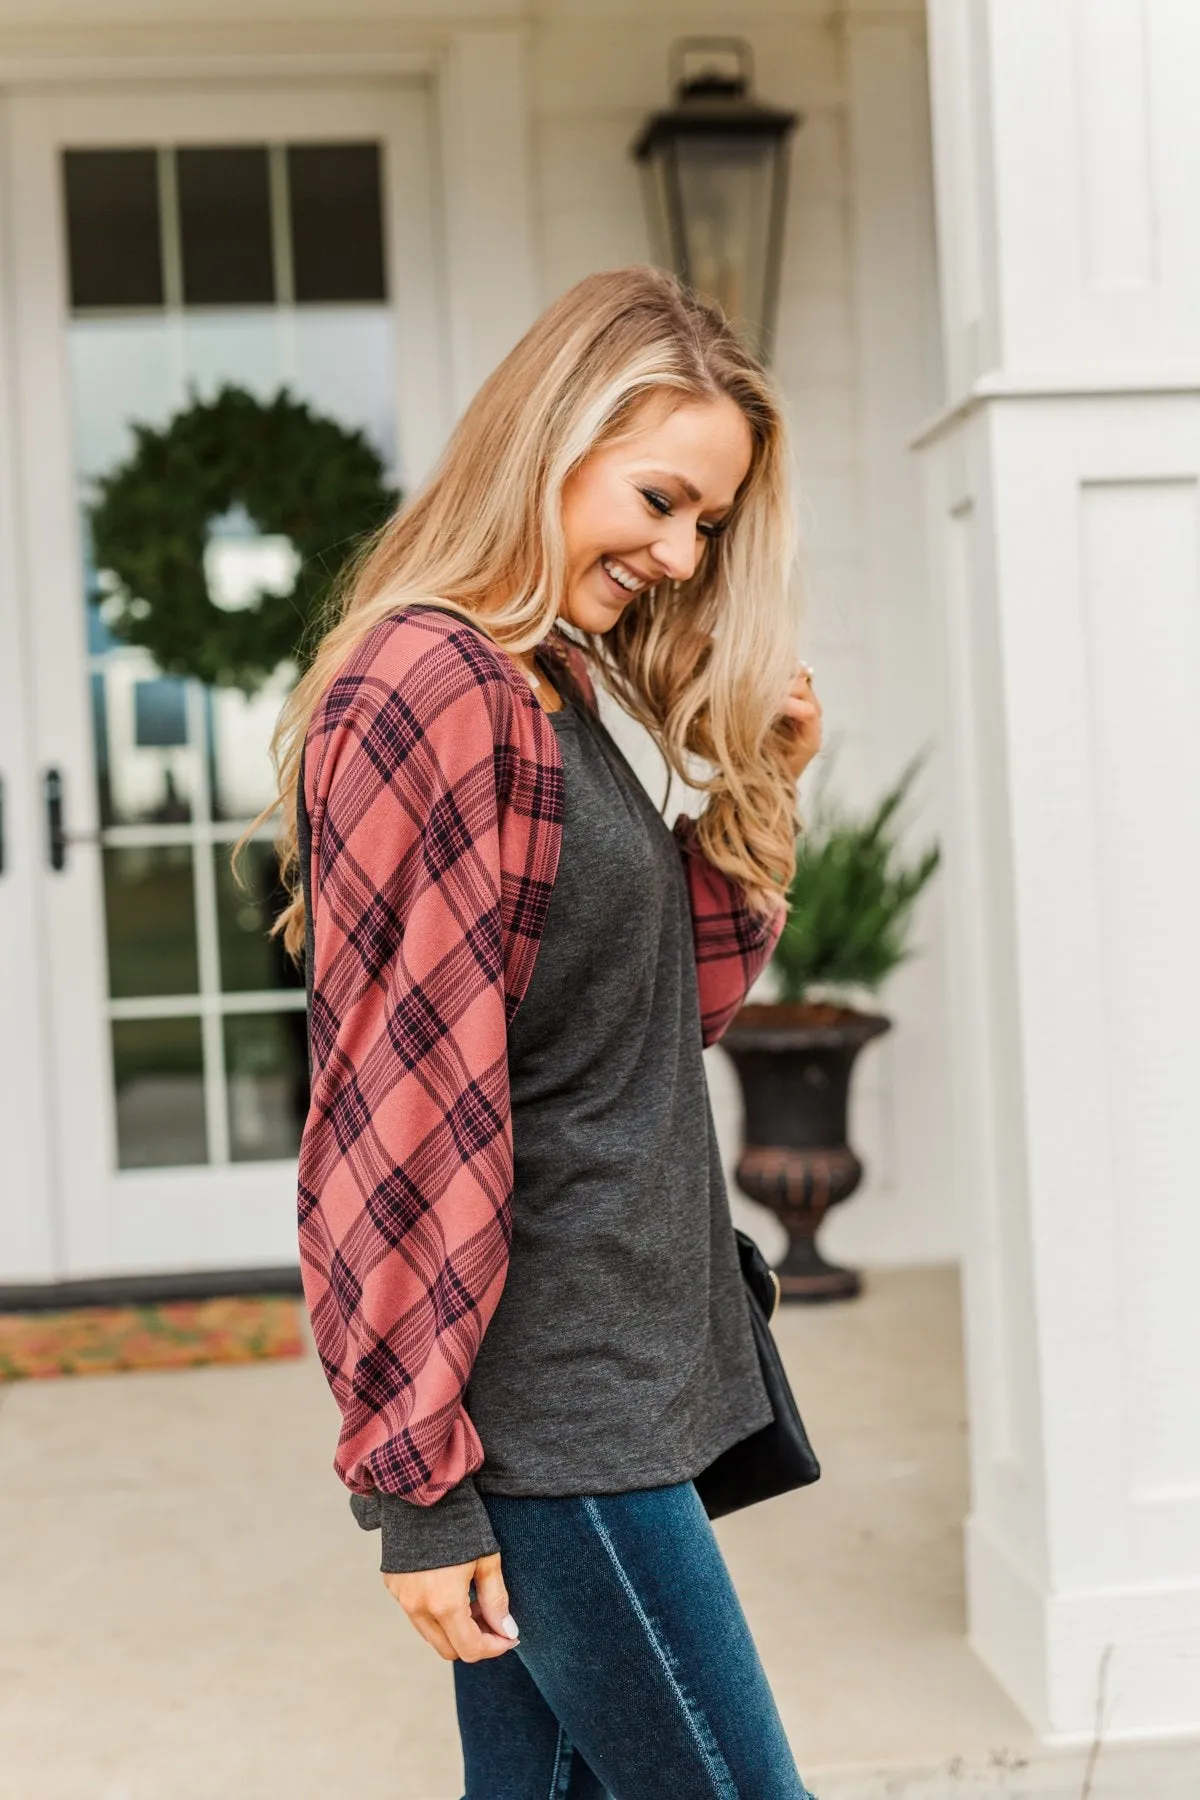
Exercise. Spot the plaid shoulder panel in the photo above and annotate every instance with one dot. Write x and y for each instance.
(433, 784)
(733, 944)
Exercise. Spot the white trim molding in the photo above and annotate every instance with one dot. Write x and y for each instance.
(1066, 385)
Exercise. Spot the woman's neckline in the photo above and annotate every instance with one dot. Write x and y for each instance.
(558, 712)
(541, 663)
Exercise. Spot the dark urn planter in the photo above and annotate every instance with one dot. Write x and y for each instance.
(794, 1061)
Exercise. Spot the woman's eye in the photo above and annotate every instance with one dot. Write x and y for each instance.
(659, 502)
(662, 505)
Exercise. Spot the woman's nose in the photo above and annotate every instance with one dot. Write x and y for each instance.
(677, 552)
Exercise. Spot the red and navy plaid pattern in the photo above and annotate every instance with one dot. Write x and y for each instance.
(433, 787)
(732, 943)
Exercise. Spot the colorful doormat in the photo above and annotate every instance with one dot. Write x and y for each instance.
(172, 1334)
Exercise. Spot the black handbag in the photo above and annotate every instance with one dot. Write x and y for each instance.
(779, 1457)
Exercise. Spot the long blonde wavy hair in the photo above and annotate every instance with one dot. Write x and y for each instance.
(703, 664)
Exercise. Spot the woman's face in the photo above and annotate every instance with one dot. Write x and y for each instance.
(647, 508)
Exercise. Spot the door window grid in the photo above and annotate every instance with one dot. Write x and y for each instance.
(210, 1003)
(184, 730)
(356, 165)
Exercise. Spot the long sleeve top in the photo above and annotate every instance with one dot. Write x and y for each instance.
(431, 826)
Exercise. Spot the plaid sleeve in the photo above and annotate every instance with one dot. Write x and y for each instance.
(733, 943)
(434, 810)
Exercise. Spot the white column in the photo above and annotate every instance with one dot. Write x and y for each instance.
(490, 242)
(1064, 505)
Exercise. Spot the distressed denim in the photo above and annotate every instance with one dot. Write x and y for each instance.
(636, 1677)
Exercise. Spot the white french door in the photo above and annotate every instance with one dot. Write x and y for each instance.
(162, 244)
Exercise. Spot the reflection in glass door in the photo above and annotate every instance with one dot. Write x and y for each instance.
(167, 245)
(189, 267)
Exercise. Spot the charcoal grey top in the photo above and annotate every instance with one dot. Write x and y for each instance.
(620, 1355)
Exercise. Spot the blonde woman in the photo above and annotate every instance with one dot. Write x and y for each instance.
(516, 1242)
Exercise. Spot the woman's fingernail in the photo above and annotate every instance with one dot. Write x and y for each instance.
(509, 1626)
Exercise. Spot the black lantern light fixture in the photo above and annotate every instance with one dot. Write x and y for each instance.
(714, 178)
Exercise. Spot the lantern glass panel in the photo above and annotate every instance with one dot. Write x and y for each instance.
(725, 192)
(661, 204)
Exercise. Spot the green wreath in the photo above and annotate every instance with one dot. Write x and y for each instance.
(296, 474)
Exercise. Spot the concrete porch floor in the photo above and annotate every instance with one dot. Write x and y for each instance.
(187, 1611)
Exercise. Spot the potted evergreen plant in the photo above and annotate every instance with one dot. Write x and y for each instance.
(851, 910)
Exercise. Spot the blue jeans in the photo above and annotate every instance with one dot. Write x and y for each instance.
(636, 1676)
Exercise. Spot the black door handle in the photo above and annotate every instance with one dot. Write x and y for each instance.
(56, 837)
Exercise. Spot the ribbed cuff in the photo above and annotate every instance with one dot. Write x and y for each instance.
(455, 1529)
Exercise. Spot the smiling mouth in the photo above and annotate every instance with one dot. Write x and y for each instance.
(623, 577)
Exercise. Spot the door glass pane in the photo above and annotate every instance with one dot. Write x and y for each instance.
(149, 909)
(240, 777)
(158, 1072)
(267, 1062)
(250, 960)
(146, 761)
(114, 242)
(183, 767)
(225, 226)
(337, 237)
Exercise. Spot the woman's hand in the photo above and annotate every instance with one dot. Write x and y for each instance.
(439, 1604)
(801, 716)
